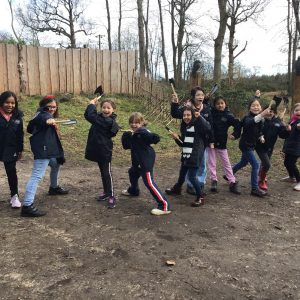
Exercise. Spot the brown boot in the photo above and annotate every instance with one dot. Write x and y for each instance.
(175, 190)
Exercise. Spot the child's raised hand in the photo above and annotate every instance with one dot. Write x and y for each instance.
(211, 145)
(288, 127)
(174, 98)
(265, 112)
(197, 114)
(94, 101)
(298, 126)
(174, 135)
(231, 137)
(51, 121)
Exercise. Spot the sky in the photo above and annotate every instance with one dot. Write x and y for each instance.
(266, 39)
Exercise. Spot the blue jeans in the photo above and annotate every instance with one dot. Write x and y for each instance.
(38, 172)
(190, 173)
(248, 156)
(201, 173)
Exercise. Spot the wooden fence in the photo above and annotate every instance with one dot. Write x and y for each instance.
(49, 71)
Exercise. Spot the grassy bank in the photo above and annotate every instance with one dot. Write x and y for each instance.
(74, 137)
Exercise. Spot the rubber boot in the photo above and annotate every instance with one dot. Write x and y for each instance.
(262, 183)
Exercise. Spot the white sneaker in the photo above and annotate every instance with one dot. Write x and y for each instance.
(297, 187)
(15, 202)
(288, 179)
(125, 193)
(159, 212)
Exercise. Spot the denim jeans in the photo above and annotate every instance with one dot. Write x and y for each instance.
(190, 173)
(38, 172)
(248, 156)
(201, 172)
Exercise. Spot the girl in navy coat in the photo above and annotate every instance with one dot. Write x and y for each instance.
(291, 147)
(272, 127)
(47, 150)
(251, 126)
(222, 120)
(143, 157)
(192, 140)
(11, 137)
(99, 144)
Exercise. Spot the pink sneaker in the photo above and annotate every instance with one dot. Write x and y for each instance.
(15, 202)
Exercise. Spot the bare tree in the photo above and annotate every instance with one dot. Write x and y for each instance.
(141, 37)
(63, 17)
(146, 24)
(219, 40)
(179, 16)
(163, 51)
(295, 4)
(240, 11)
(108, 25)
(119, 25)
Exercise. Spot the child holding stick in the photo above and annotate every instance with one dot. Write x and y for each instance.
(139, 141)
(11, 137)
(99, 144)
(47, 150)
(192, 140)
(251, 126)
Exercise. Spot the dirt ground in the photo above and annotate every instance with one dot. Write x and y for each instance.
(234, 247)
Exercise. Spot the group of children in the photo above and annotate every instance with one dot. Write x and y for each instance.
(203, 138)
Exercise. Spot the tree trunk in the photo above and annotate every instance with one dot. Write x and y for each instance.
(108, 25)
(141, 37)
(147, 42)
(219, 41)
(290, 41)
(163, 52)
(173, 40)
(119, 26)
(180, 35)
(231, 48)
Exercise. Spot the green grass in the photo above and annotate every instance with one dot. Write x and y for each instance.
(74, 137)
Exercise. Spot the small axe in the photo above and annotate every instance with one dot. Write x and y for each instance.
(99, 90)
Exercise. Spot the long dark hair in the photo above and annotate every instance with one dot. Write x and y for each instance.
(194, 91)
(46, 100)
(5, 95)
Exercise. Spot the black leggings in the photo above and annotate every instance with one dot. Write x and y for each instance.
(106, 176)
(11, 172)
(265, 158)
(290, 162)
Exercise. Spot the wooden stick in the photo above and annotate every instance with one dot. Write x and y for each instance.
(173, 132)
(172, 86)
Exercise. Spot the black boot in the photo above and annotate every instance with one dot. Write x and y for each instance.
(57, 191)
(258, 193)
(233, 188)
(199, 201)
(175, 190)
(214, 186)
(31, 212)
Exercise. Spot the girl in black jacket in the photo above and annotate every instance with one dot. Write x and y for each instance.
(272, 127)
(291, 147)
(139, 140)
(47, 150)
(99, 144)
(11, 137)
(192, 140)
(251, 126)
(222, 120)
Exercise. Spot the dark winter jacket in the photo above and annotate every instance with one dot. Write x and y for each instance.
(44, 142)
(193, 136)
(222, 120)
(142, 154)
(251, 131)
(271, 129)
(292, 142)
(99, 143)
(177, 113)
(11, 137)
